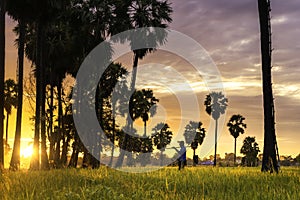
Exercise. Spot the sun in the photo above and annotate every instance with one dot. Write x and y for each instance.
(27, 152)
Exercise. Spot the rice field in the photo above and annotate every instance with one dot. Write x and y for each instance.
(168, 183)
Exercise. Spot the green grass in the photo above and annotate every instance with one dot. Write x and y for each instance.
(169, 183)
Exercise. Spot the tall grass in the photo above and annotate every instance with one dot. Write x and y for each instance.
(167, 183)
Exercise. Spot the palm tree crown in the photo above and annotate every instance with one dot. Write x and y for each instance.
(216, 104)
(236, 126)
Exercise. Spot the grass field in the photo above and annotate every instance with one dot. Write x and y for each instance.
(168, 183)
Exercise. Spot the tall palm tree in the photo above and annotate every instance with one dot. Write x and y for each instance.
(2, 72)
(216, 104)
(10, 100)
(141, 103)
(162, 136)
(270, 144)
(236, 126)
(194, 134)
(21, 11)
(147, 13)
(140, 14)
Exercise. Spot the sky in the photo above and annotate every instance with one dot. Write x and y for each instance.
(229, 31)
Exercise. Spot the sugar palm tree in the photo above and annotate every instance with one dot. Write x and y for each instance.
(141, 104)
(22, 12)
(147, 13)
(162, 136)
(194, 134)
(2, 72)
(134, 14)
(270, 144)
(10, 100)
(236, 126)
(216, 104)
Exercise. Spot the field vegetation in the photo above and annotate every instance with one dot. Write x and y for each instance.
(168, 183)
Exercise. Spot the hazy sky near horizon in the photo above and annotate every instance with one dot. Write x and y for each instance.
(229, 31)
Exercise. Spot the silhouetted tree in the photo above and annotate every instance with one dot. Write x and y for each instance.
(216, 104)
(10, 100)
(162, 136)
(141, 103)
(250, 149)
(194, 135)
(236, 126)
(22, 12)
(2, 72)
(142, 14)
(270, 161)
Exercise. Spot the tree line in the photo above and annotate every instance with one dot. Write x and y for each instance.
(57, 35)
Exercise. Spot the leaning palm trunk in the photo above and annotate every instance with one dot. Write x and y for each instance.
(15, 159)
(269, 153)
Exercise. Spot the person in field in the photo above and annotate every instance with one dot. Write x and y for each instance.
(182, 153)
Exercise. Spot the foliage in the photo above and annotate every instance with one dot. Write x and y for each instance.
(236, 126)
(10, 95)
(162, 135)
(141, 103)
(216, 104)
(194, 134)
(250, 149)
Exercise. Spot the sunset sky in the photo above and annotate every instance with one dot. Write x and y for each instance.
(229, 31)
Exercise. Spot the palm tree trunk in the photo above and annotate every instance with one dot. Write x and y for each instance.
(234, 159)
(216, 136)
(134, 72)
(60, 126)
(129, 121)
(269, 153)
(6, 130)
(113, 133)
(15, 159)
(44, 155)
(35, 159)
(2, 72)
(145, 128)
(51, 137)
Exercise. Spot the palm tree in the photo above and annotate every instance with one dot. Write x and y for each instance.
(162, 136)
(145, 13)
(270, 144)
(141, 103)
(20, 11)
(2, 72)
(140, 14)
(216, 104)
(194, 135)
(236, 126)
(10, 100)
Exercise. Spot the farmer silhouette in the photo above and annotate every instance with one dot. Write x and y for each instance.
(182, 154)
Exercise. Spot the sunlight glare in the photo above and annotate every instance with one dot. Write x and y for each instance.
(26, 152)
